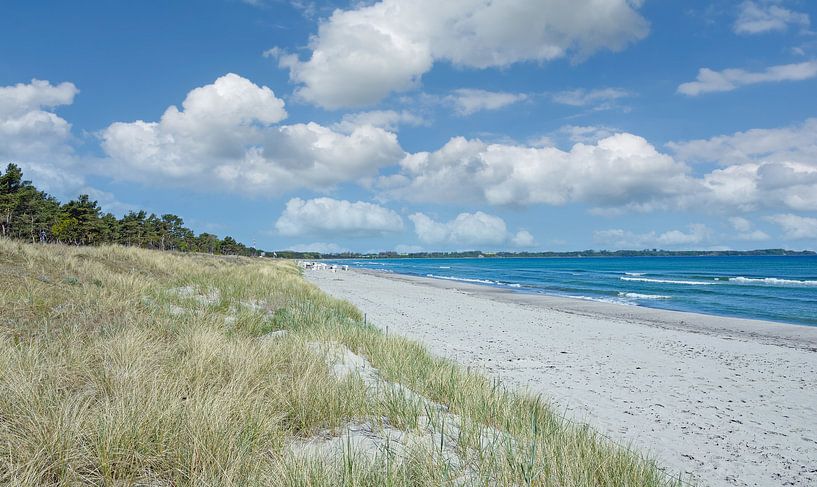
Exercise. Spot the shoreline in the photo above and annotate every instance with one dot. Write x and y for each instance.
(728, 401)
(790, 335)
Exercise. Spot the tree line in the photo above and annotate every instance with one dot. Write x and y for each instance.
(27, 213)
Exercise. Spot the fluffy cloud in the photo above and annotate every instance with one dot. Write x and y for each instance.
(795, 227)
(759, 17)
(467, 101)
(620, 170)
(225, 136)
(29, 129)
(619, 238)
(756, 169)
(385, 119)
(745, 231)
(764, 167)
(41, 143)
(327, 216)
(740, 224)
(468, 229)
(523, 238)
(752, 186)
(21, 98)
(599, 99)
(361, 55)
(709, 81)
(793, 143)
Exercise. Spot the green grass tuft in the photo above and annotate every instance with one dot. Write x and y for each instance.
(123, 366)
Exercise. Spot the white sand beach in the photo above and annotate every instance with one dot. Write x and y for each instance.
(732, 402)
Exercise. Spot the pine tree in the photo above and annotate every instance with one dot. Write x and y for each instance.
(27, 213)
(85, 212)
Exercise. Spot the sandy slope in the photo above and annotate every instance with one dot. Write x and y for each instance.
(733, 402)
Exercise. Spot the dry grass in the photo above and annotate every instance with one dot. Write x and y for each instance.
(121, 366)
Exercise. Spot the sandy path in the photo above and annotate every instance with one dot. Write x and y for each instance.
(733, 402)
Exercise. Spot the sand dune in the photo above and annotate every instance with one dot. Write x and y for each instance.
(730, 401)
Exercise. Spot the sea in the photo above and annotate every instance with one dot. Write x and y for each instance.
(773, 288)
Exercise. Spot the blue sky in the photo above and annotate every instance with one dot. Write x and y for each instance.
(408, 125)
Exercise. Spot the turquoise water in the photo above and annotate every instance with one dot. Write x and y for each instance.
(782, 289)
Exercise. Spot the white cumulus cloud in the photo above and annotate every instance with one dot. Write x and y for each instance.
(620, 170)
(331, 217)
(26, 97)
(745, 230)
(763, 167)
(523, 238)
(468, 229)
(618, 238)
(29, 129)
(41, 142)
(709, 81)
(362, 54)
(759, 17)
(795, 227)
(225, 138)
(616, 172)
(740, 224)
(793, 143)
(767, 184)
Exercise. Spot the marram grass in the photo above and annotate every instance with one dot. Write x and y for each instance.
(122, 366)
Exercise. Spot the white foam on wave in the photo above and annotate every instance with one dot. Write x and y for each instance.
(603, 300)
(771, 281)
(461, 279)
(634, 273)
(444, 267)
(666, 281)
(643, 296)
(514, 285)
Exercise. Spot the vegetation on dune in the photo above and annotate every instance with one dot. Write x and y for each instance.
(128, 366)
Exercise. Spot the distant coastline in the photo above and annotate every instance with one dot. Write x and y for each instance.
(476, 254)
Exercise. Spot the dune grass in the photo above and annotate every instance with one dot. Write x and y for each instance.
(122, 366)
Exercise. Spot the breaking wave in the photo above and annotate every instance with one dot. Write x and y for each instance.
(771, 281)
(667, 281)
(462, 279)
(625, 302)
(643, 296)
